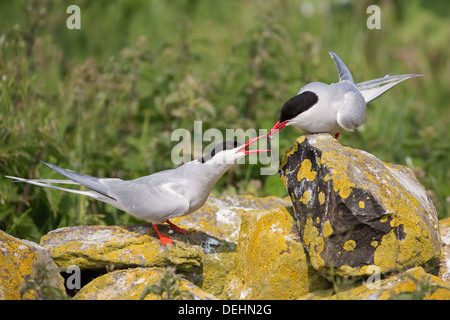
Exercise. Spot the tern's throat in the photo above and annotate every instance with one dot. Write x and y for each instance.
(206, 173)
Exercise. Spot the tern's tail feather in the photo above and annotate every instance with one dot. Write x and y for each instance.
(343, 71)
(372, 89)
(99, 190)
(46, 184)
(90, 182)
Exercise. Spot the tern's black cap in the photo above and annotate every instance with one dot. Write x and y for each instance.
(298, 104)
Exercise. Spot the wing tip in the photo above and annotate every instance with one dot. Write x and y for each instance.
(47, 164)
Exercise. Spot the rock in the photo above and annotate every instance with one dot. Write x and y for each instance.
(18, 259)
(216, 263)
(204, 259)
(414, 284)
(268, 257)
(444, 271)
(129, 284)
(355, 211)
(270, 262)
(118, 247)
(221, 217)
(205, 255)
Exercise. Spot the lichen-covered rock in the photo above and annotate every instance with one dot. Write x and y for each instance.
(220, 217)
(444, 271)
(216, 263)
(414, 284)
(355, 210)
(205, 255)
(100, 247)
(17, 260)
(129, 284)
(270, 262)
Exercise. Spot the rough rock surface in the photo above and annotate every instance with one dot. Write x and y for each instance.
(355, 211)
(270, 262)
(100, 247)
(221, 217)
(17, 260)
(205, 255)
(129, 284)
(444, 227)
(413, 284)
(266, 260)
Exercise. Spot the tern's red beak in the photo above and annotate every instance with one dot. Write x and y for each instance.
(278, 126)
(248, 143)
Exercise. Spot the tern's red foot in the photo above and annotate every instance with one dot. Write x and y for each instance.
(176, 228)
(336, 135)
(164, 239)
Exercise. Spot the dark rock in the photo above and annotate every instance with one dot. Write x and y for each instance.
(355, 210)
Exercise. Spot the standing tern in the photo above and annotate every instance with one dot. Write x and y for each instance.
(160, 196)
(319, 107)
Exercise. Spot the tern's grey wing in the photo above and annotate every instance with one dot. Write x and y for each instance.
(372, 89)
(343, 71)
(350, 106)
(154, 198)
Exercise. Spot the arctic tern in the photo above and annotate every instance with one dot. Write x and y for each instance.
(158, 197)
(323, 108)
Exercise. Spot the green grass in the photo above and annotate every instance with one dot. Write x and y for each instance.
(105, 99)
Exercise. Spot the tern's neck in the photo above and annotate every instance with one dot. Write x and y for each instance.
(206, 173)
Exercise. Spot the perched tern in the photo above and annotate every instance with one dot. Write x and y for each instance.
(160, 196)
(320, 108)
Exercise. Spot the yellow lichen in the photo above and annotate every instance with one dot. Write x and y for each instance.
(349, 245)
(344, 186)
(327, 230)
(284, 260)
(291, 151)
(362, 204)
(283, 179)
(321, 197)
(305, 171)
(129, 284)
(394, 254)
(374, 243)
(394, 222)
(300, 139)
(390, 288)
(315, 242)
(305, 197)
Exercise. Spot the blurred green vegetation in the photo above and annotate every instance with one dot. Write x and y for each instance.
(105, 99)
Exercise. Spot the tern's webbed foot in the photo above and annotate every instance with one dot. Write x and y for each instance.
(164, 239)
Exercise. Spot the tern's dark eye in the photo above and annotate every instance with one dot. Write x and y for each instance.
(298, 104)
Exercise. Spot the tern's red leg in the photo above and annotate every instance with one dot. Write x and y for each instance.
(336, 135)
(164, 239)
(176, 228)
